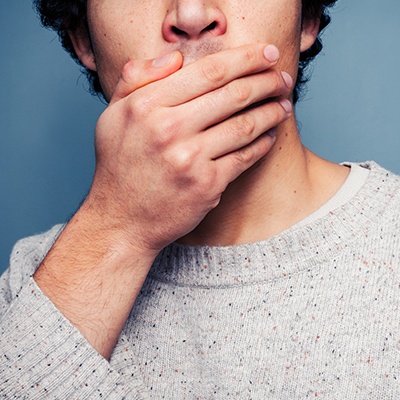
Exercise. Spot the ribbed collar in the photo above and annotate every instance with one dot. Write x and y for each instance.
(303, 246)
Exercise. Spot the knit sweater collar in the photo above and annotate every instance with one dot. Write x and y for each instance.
(309, 243)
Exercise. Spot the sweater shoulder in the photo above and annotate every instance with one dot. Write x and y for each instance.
(377, 205)
(381, 175)
(27, 255)
(382, 193)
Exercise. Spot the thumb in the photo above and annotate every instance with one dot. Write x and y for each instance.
(136, 73)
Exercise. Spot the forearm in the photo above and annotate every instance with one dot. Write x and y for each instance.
(93, 275)
(44, 355)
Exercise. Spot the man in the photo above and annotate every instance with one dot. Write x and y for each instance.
(214, 256)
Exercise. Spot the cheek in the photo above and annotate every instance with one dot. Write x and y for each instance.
(116, 39)
(270, 21)
(290, 51)
(109, 62)
(116, 35)
(107, 48)
(285, 32)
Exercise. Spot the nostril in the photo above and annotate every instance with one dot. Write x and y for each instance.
(178, 31)
(188, 22)
(210, 27)
(181, 32)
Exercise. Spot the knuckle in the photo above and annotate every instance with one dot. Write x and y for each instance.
(181, 159)
(167, 130)
(250, 56)
(239, 92)
(139, 107)
(214, 72)
(127, 72)
(211, 200)
(273, 114)
(244, 155)
(279, 114)
(278, 82)
(214, 202)
(133, 106)
(244, 126)
(169, 125)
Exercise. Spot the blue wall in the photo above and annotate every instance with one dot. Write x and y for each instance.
(47, 118)
(352, 110)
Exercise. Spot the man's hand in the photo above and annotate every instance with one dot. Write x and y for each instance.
(167, 146)
(167, 150)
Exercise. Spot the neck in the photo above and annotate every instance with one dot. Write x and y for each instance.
(283, 188)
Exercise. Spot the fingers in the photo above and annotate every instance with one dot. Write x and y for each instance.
(236, 96)
(136, 74)
(242, 129)
(214, 71)
(231, 117)
(234, 164)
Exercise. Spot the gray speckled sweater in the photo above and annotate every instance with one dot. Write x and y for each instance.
(312, 312)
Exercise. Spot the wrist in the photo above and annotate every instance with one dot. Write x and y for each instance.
(93, 275)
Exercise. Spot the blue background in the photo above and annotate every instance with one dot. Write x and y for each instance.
(47, 118)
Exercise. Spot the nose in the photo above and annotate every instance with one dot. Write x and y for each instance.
(193, 19)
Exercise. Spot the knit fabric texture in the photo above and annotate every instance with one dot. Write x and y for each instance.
(313, 312)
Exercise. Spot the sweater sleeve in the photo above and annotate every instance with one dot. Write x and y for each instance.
(42, 354)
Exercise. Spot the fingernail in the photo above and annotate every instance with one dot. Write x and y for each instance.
(271, 53)
(163, 61)
(288, 79)
(286, 104)
(272, 132)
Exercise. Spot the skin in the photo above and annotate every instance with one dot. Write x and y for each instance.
(180, 155)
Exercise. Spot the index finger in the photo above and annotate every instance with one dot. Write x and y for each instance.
(138, 73)
(212, 72)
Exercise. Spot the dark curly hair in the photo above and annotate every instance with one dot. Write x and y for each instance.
(63, 15)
